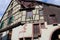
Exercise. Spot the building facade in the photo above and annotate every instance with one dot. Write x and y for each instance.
(40, 21)
(0, 33)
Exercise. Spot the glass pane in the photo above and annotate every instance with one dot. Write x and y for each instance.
(29, 14)
(2, 24)
(10, 20)
(40, 12)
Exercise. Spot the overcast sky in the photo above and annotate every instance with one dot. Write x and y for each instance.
(5, 3)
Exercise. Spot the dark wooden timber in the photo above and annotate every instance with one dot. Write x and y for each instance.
(11, 27)
(40, 2)
(27, 9)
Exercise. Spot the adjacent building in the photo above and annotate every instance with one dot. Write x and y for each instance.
(38, 20)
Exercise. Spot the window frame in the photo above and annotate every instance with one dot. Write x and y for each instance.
(27, 14)
(2, 24)
(36, 33)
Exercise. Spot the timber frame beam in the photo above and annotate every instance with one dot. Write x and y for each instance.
(11, 27)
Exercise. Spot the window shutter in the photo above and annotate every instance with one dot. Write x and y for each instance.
(2, 24)
(10, 20)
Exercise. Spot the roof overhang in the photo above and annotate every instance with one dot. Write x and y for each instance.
(38, 2)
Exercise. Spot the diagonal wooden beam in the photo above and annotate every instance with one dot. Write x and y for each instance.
(11, 27)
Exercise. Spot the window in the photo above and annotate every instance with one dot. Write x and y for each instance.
(40, 12)
(10, 20)
(21, 39)
(42, 25)
(29, 14)
(2, 24)
(28, 38)
(36, 30)
(52, 19)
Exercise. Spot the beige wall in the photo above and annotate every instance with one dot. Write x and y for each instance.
(18, 32)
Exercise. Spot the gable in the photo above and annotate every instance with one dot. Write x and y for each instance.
(8, 8)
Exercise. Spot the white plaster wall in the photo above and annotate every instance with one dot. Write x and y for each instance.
(16, 8)
(15, 33)
(14, 3)
(46, 33)
(28, 31)
(18, 32)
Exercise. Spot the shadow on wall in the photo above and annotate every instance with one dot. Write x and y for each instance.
(5, 37)
(0, 36)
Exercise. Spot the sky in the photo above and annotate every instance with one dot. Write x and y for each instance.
(4, 4)
(56, 2)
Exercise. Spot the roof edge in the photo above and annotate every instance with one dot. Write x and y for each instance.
(6, 10)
